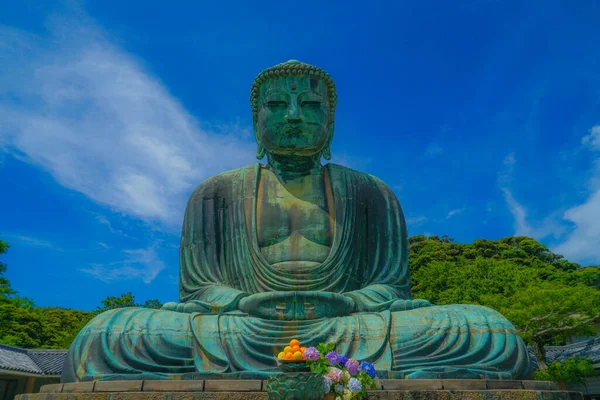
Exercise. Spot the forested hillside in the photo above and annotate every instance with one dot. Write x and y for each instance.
(545, 296)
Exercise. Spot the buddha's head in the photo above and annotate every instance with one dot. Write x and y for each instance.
(293, 105)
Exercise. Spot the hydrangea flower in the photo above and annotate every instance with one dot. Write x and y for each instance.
(368, 368)
(354, 385)
(340, 388)
(327, 384)
(333, 357)
(312, 354)
(343, 360)
(352, 366)
(335, 374)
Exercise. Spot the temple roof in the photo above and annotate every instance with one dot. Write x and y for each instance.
(589, 349)
(37, 362)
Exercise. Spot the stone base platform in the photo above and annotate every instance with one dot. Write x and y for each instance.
(460, 389)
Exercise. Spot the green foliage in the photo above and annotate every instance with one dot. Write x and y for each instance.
(154, 304)
(126, 300)
(571, 370)
(551, 311)
(112, 302)
(5, 289)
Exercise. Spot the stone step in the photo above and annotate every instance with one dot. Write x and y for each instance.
(514, 394)
(239, 385)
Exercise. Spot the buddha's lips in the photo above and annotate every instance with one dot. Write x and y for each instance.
(293, 131)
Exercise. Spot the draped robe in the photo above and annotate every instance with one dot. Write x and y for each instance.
(221, 262)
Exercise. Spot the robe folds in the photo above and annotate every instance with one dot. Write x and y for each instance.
(221, 262)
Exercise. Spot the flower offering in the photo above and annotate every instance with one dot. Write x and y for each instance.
(345, 377)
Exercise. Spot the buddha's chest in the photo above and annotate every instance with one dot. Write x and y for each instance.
(293, 210)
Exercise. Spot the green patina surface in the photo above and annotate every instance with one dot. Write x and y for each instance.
(295, 249)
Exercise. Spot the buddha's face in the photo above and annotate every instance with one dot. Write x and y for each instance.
(293, 116)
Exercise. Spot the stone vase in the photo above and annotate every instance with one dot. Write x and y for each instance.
(295, 383)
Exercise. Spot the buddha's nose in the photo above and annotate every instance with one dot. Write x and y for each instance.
(294, 114)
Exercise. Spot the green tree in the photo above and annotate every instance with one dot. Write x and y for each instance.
(154, 304)
(126, 300)
(572, 370)
(112, 302)
(19, 323)
(548, 313)
(5, 289)
(61, 325)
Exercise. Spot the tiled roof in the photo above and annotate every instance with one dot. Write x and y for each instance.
(49, 361)
(589, 349)
(15, 359)
(39, 362)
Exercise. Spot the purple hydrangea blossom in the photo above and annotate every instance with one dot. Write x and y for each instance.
(352, 366)
(327, 384)
(333, 357)
(343, 360)
(312, 354)
(354, 385)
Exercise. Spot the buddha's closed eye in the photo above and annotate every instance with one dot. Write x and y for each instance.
(311, 103)
(276, 103)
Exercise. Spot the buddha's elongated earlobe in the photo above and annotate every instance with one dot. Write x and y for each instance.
(327, 152)
(327, 148)
(260, 152)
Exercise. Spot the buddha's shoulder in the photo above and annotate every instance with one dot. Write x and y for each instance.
(360, 177)
(222, 183)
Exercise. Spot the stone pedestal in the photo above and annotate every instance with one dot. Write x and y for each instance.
(464, 389)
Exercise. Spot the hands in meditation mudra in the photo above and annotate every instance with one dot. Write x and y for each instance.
(295, 249)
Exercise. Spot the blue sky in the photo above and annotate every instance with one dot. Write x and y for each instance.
(483, 116)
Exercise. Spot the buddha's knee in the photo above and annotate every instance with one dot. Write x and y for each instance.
(478, 316)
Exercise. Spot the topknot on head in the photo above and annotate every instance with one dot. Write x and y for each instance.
(293, 68)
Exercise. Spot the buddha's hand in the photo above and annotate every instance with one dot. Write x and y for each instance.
(193, 306)
(313, 305)
(268, 305)
(405, 305)
(297, 305)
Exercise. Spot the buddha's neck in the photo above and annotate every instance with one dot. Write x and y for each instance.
(293, 167)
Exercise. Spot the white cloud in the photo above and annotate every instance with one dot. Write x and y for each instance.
(30, 241)
(518, 211)
(416, 220)
(88, 113)
(452, 213)
(549, 226)
(141, 264)
(593, 139)
(583, 242)
(522, 227)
